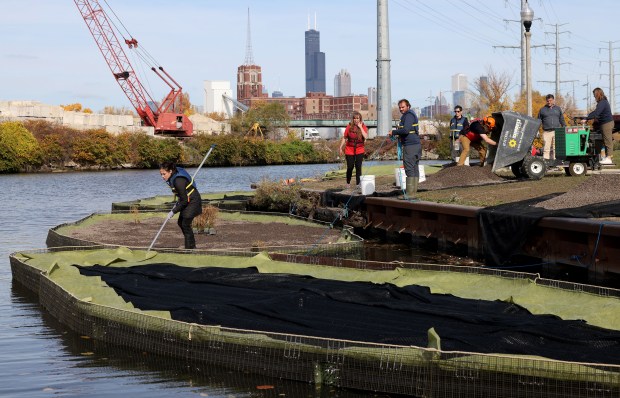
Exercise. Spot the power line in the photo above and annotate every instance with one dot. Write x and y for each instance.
(557, 48)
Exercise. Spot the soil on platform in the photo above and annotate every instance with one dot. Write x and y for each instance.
(478, 186)
(228, 234)
(467, 185)
(596, 189)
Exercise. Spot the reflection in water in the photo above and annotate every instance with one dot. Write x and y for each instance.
(91, 358)
(40, 358)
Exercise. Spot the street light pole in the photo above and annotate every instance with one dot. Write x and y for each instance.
(430, 104)
(527, 16)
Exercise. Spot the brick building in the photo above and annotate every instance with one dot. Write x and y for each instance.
(249, 83)
(319, 106)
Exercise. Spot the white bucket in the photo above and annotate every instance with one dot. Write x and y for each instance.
(400, 176)
(422, 173)
(456, 159)
(368, 184)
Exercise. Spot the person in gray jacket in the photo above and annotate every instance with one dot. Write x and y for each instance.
(552, 117)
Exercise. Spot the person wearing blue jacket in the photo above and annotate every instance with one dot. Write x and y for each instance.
(189, 203)
(409, 139)
(602, 113)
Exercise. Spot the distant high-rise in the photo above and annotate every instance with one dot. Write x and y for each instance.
(372, 95)
(459, 82)
(315, 61)
(342, 84)
(460, 95)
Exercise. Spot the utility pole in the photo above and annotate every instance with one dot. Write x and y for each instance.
(612, 84)
(527, 15)
(441, 92)
(588, 97)
(430, 104)
(522, 47)
(557, 58)
(384, 85)
(571, 81)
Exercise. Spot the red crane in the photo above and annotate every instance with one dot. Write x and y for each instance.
(165, 118)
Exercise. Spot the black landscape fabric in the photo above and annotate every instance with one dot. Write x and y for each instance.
(360, 311)
(505, 227)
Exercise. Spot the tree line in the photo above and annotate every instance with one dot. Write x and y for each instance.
(33, 146)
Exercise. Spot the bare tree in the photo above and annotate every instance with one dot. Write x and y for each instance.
(491, 93)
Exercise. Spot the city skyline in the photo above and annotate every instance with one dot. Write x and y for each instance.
(48, 54)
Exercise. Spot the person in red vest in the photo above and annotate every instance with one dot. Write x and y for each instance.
(352, 146)
(477, 132)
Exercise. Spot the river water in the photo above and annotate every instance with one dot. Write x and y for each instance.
(41, 358)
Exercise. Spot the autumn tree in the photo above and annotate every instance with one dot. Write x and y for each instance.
(185, 104)
(75, 107)
(491, 93)
(112, 110)
(567, 104)
(520, 103)
(18, 147)
(269, 115)
(218, 116)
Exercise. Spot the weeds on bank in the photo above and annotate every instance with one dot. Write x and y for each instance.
(206, 220)
(258, 245)
(135, 214)
(280, 197)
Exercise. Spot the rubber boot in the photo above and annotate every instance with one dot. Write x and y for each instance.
(190, 241)
(412, 187)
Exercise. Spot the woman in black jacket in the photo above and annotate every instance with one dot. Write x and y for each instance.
(603, 115)
(189, 203)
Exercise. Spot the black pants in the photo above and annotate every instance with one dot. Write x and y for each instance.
(188, 233)
(354, 160)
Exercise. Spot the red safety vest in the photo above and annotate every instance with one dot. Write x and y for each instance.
(354, 146)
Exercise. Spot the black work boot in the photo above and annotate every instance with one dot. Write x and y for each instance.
(190, 242)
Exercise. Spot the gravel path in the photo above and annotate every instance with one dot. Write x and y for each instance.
(596, 189)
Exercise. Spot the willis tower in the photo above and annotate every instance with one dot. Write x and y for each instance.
(315, 61)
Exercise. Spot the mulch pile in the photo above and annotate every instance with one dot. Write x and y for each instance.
(458, 176)
(598, 188)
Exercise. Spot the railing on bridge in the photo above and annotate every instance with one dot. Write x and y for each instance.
(327, 123)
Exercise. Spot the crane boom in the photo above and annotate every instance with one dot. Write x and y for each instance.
(165, 119)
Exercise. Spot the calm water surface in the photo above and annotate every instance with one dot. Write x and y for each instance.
(40, 358)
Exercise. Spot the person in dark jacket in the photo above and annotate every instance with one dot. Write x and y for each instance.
(602, 113)
(457, 124)
(189, 202)
(409, 139)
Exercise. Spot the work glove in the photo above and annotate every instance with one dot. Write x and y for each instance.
(170, 215)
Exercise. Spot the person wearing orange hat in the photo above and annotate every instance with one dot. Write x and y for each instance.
(477, 132)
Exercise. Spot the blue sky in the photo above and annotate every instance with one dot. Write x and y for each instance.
(48, 55)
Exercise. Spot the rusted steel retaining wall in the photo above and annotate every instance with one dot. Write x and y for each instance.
(588, 243)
